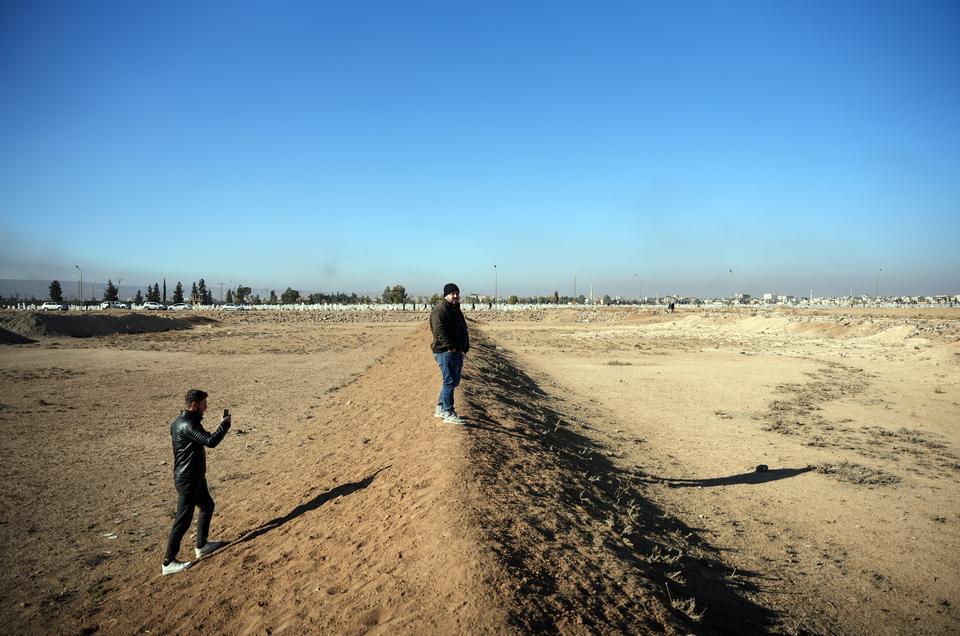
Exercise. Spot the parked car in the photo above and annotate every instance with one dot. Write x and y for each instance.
(114, 304)
(152, 306)
(52, 306)
(179, 307)
(232, 307)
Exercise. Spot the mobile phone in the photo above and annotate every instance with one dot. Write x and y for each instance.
(226, 412)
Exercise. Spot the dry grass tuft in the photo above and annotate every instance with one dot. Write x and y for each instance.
(687, 606)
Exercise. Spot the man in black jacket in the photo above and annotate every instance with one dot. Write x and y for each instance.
(450, 342)
(189, 477)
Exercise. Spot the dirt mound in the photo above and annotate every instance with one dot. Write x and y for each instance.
(41, 325)
(358, 526)
(385, 518)
(9, 337)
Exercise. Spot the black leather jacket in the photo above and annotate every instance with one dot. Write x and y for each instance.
(449, 328)
(189, 457)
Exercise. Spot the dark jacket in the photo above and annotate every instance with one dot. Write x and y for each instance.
(449, 328)
(189, 457)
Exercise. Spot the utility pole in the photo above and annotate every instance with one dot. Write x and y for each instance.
(639, 288)
(221, 291)
(574, 288)
(878, 284)
(496, 290)
(733, 288)
(80, 286)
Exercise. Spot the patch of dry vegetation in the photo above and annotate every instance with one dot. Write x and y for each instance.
(800, 415)
(858, 474)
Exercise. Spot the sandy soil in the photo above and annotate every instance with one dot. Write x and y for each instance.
(865, 542)
(605, 483)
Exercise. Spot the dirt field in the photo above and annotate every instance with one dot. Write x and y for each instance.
(606, 483)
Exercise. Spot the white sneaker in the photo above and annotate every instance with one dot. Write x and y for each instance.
(453, 418)
(439, 411)
(209, 548)
(175, 566)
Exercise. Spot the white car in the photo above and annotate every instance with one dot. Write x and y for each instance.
(113, 304)
(179, 307)
(232, 307)
(152, 306)
(52, 306)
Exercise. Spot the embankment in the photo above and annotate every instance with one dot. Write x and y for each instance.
(376, 516)
(85, 325)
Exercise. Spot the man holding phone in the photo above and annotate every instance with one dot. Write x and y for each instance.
(190, 478)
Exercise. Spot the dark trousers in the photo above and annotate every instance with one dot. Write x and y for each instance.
(197, 496)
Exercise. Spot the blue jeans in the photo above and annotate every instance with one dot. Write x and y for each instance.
(451, 366)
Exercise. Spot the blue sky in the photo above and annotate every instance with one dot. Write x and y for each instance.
(351, 146)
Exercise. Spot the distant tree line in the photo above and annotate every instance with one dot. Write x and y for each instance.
(397, 294)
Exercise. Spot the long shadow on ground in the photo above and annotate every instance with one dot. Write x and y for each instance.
(340, 491)
(587, 548)
(752, 477)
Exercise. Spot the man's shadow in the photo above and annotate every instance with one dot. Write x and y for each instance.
(340, 491)
(732, 480)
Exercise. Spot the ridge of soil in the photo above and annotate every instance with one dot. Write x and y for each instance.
(386, 519)
(358, 526)
(42, 324)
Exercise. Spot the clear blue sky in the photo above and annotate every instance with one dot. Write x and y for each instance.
(351, 146)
